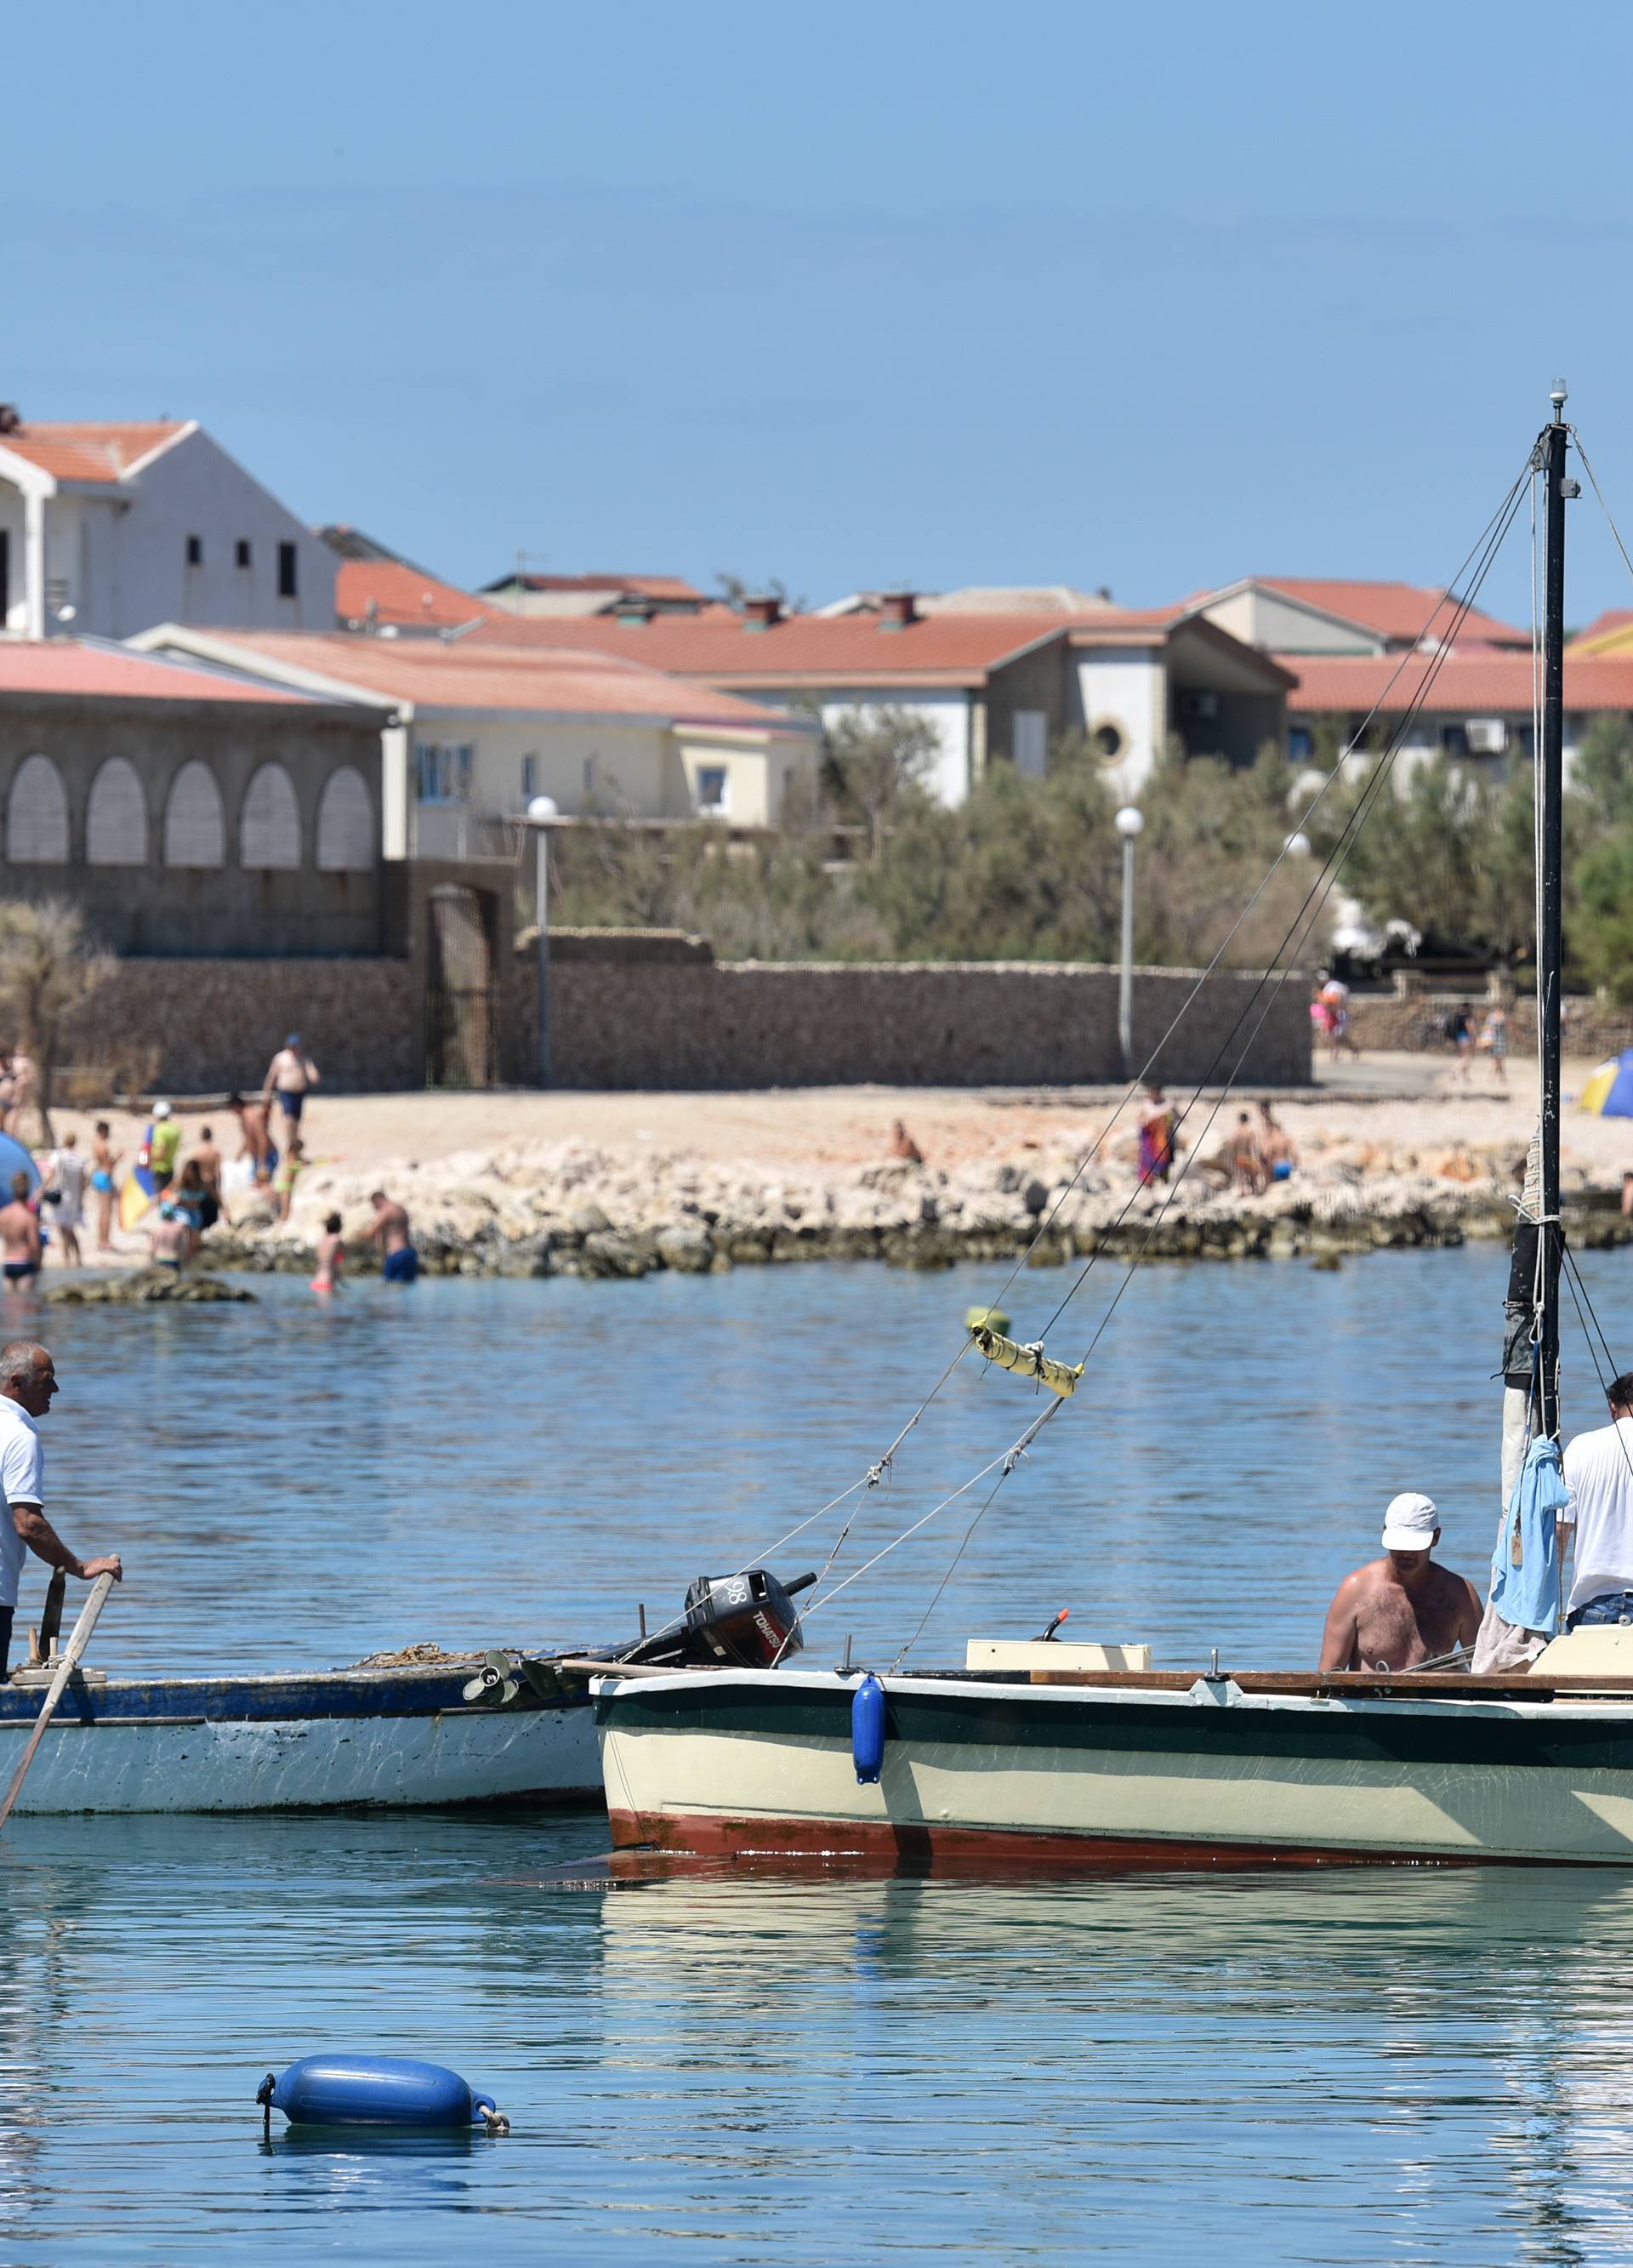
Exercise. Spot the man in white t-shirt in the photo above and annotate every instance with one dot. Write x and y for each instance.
(27, 1382)
(1599, 1472)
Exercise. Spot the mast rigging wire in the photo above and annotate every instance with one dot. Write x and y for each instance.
(1479, 557)
(1309, 913)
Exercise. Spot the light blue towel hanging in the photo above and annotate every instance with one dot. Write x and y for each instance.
(1527, 1594)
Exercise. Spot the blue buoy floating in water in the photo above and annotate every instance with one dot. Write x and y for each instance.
(867, 1730)
(355, 2090)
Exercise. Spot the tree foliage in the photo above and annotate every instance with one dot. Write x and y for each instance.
(1026, 869)
(48, 964)
(876, 763)
(1031, 869)
(1450, 849)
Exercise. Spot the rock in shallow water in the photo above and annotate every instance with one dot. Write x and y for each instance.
(146, 1286)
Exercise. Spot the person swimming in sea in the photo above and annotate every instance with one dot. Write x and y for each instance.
(331, 1256)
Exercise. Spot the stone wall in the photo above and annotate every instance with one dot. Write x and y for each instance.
(658, 1012)
(195, 1027)
(619, 1022)
(1413, 1020)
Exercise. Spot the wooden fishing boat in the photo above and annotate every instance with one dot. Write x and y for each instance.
(401, 1736)
(504, 1726)
(1046, 1751)
(1093, 1769)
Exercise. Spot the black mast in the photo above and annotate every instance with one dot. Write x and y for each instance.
(1549, 940)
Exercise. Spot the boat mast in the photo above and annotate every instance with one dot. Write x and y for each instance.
(1550, 791)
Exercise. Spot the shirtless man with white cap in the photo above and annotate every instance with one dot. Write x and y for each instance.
(1401, 1610)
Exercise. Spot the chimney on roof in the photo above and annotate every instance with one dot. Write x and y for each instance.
(897, 609)
(761, 611)
(11, 417)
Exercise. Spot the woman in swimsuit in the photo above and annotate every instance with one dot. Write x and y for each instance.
(104, 1158)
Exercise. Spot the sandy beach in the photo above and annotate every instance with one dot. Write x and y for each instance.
(523, 1183)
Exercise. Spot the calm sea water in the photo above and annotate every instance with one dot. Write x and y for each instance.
(1357, 2068)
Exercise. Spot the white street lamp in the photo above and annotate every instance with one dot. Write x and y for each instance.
(541, 812)
(1130, 820)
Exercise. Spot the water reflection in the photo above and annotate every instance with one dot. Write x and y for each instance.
(1414, 2067)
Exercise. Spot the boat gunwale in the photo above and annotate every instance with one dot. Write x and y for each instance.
(1344, 1692)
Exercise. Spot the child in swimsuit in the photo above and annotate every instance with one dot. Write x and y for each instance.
(331, 1254)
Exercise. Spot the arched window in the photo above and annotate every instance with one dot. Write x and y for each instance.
(36, 815)
(116, 817)
(196, 828)
(269, 830)
(345, 824)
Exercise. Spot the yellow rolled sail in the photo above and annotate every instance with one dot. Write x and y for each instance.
(1029, 1361)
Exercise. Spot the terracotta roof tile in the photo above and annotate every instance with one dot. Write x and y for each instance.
(401, 594)
(671, 587)
(64, 665)
(470, 675)
(1481, 684)
(88, 452)
(1401, 611)
(842, 650)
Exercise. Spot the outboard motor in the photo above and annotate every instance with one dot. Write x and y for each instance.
(748, 1619)
(744, 1619)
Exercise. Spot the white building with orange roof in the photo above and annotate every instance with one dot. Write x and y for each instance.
(1003, 678)
(108, 528)
(472, 733)
(1348, 614)
(1468, 706)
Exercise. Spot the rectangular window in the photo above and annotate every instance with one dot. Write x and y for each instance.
(286, 571)
(1300, 744)
(240, 550)
(589, 778)
(712, 784)
(1030, 744)
(442, 770)
(530, 778)
(196, 551)
(1454, 739)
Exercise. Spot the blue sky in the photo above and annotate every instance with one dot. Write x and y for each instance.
(935, 294)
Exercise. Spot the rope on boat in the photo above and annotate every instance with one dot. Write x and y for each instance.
(1310, 911)
(1476, 565)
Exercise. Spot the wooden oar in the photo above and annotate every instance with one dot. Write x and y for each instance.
(82, 1629)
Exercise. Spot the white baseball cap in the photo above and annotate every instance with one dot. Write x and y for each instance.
(161, 1110)
(1409, 1522)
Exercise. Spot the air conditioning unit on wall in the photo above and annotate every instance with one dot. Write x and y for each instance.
(1487, 736)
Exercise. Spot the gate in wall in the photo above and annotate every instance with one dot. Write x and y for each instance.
(461, 1021)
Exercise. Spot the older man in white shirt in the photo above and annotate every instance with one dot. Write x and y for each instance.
(1598, 1473)
(27, 1383)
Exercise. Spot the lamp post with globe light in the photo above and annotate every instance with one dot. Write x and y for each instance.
(541, 812)
(1130, 820)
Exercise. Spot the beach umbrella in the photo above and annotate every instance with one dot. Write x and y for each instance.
(1608, 1094)
(15, 1159)
(136, 1194)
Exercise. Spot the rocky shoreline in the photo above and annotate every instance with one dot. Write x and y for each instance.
(574, 1209)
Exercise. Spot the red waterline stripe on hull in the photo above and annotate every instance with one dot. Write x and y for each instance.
(708, 1835)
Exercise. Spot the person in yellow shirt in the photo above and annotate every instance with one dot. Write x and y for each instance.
(163, 1145)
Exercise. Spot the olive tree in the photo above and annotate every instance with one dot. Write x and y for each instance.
(48, 964)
